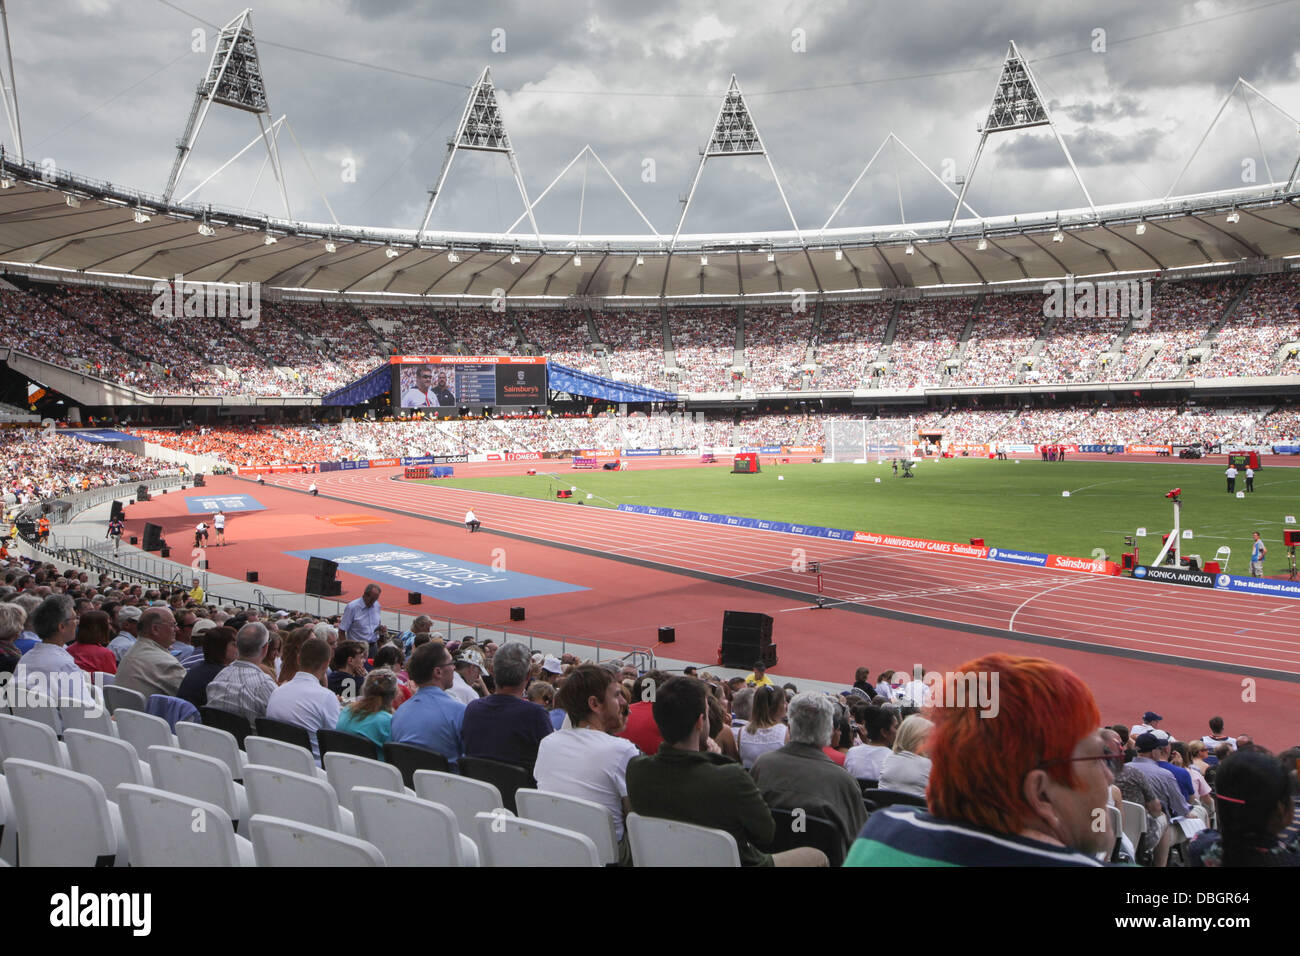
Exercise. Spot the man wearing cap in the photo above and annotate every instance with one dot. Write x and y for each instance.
(1185, 785)
(128, 620)
(1150, 721)
(202, 625)
(469, 677)
(759, 677)
(1150, 750)
(362, 616)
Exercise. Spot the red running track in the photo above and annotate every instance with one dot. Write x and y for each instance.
(1248, 635)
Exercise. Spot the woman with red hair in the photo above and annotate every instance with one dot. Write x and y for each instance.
(1020, 774)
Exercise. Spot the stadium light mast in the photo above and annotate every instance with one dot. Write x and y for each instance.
(734, 134)
(481, 128)
(234, 79)
(9, 83)
(1017, 104)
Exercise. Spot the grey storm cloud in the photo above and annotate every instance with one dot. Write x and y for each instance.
(373, 90)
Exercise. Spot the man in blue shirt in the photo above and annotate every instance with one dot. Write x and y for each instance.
(1257, 553)
(432, 719)
(362, 616)
(503, 725)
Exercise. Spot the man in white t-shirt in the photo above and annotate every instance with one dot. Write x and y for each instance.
(471, 521)
(219, 526)
(200, 534)
(589, 761)
(422, 394)
(1231, 475)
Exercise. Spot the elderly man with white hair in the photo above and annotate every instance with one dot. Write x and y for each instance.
(799, 776)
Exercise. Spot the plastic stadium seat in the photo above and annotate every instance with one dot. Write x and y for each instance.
(465, 797)
(63, 817)
(76, 716)
(572, 813)
(109, 760)
(345, 771)
(658, 842)
(160, 830)
(268, 752)
(340, 741)
(509, 841)
(280, 842)
(233, 724)
(143, 730)
(199, 777)
(879, 799)
(41, 709)
(286, 732)
(812, 831)
(31, 740)
(409, 758)
(296, 796)
(8, 827)
(125, 699)
(201, 739)
(411, 832)
(507, 778)
(1134, 822)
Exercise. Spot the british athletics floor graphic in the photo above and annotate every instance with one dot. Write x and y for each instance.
(447, 579)
(208, 504)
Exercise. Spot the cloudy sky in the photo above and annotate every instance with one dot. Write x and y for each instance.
(373, 89)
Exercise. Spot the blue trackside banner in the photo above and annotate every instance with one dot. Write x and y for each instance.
(1274, 587)
(422, 460)
(1102, 449)
(642, 452)
(732, 521)
(770, 450)
(1032, 558)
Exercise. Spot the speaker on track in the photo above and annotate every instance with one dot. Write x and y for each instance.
(414, 597)
(117, 512)
(199, 481)
(152, 537)
(517, 613)
(320, 576)
(667, 635)
(250, 577)
(142, 493)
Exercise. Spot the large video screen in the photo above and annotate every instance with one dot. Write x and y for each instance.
(450, 381)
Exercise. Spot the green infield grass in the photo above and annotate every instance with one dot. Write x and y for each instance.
(1007, 503)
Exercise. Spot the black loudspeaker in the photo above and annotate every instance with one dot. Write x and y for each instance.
(199, 481)
(166, 552)
(414, 597)
(667, 635)
(746, 637)
(152, 537)
(333, 588)
(133, 540)
(320, 575)
(250, 577)
(117, 512)
(142, 493)
(516, 614)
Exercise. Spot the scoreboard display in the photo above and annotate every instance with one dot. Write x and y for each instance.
(475, 381)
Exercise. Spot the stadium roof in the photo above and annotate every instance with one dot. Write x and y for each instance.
(50, 219)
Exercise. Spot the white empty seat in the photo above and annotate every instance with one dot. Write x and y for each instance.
(267, 752)
(465, 796)
(280, 842)
(77, 716)
(1134, 821)
(295, 796)
(8, 827)
(168, 829)
(109, 760)
(143, 730)
(38, 707)
(202, 739)
(63, 817)
(345, 771)
(31, 740)
(409, 831)
(571, 813)
(123, 698)
(505, 840)
(200, 777)
(658, 842)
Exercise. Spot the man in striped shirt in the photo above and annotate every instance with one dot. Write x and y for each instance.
(1018, 783)
(243, 688)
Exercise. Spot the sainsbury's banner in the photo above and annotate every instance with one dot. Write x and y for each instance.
(969, 449)
(383, 462)
(1018, 557)
(1060, 562)
(920, 544)
(1149, 449)
(600, 453)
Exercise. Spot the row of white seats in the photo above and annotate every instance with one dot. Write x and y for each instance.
(294, 789)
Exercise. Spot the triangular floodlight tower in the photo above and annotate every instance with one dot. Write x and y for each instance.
(734, 134)
(1017, 104)
(234, 79)
(481, 128)
(892, 138)
(1241, 86)
(582, 152)
(9, 84)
